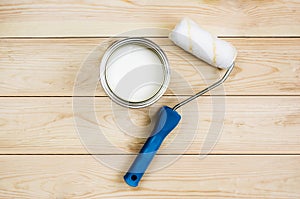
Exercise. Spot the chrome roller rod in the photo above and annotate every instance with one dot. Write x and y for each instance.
(216, 84)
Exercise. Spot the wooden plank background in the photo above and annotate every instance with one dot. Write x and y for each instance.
(43, 46)
(48, 67)
(252, 125)
(97, 18)
(81, 176)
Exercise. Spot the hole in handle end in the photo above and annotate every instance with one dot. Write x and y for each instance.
(132, 179)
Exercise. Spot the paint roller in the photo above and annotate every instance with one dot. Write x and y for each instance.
(216, 52)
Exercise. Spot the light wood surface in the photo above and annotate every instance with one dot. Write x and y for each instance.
(190, 177)
(106, 18)
(49, 67)
(252, 125)
(51, 50)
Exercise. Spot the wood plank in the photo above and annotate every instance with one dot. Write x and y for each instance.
(49, 67)
(251, 125)
(106, 18)
(78, 176)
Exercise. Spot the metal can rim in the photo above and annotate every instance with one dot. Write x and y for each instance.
(152, 46)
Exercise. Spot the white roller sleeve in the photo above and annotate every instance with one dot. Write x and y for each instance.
(216, 52)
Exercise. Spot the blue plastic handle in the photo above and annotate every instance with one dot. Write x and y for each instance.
(167, 121)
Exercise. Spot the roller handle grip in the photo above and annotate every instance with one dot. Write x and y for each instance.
(167, 121)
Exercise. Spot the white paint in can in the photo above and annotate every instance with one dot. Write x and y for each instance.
(134, 72)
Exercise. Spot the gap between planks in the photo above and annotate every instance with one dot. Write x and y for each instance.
(151, 37)
(186, 154)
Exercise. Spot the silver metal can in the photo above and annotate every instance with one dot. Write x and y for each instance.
(151, 46)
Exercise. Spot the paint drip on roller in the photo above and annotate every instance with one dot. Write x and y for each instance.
(216, 52)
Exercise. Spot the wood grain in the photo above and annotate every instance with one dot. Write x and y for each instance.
(251, 125)
(49, 67)
(94, 18)
(44, 131)
(190, 177)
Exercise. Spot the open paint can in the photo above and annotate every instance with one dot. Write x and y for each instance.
(134, 72)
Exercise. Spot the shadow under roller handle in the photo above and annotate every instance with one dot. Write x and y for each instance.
(167, 121)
